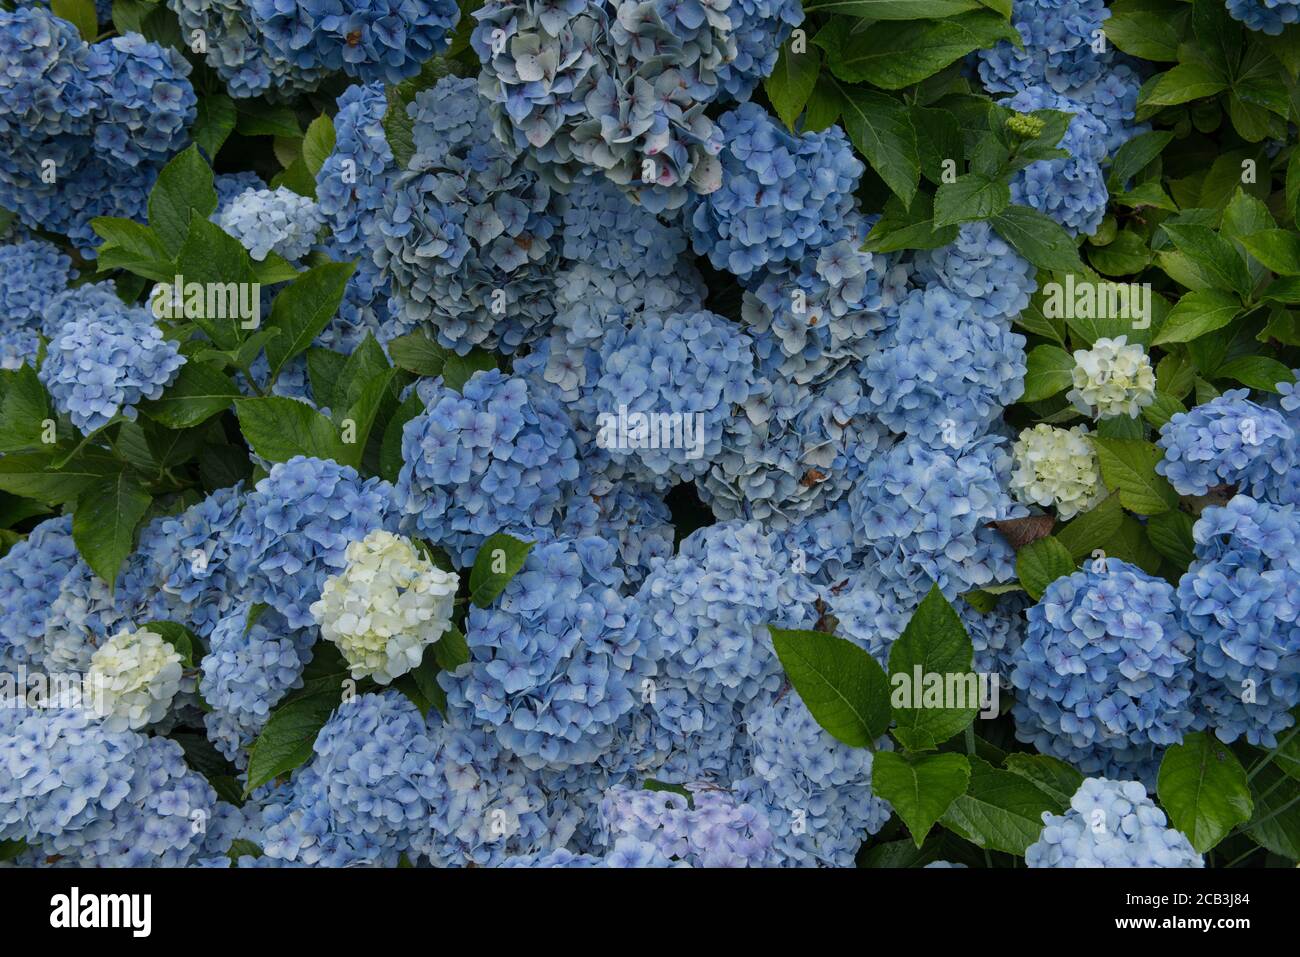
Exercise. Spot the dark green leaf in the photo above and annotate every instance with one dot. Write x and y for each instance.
(498, 560)
(920, 787)
(1040, 563)
(1203, 788)
(881, 129)
(104, 523)
(933, 646)
(279, 428)
(1000, 811)
(843, 687)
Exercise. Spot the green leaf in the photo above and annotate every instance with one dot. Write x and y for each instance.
(218, 261)
(1127, 255)
(903, 227)
(824, 106)
(131, 246)
(286, 741)
(970, 196)
(278, 428)
(1048, 370)
(1040, 563)
(1196, 314)
(919, 787)
(214, 123)
(450, 650)
(81, 14)
(1058, 780)
(176, 635)
(1000, 811)
(933, 645)
(1213, 257)
(24, 410)
(499, 560)
(1203, 788)
(104, 523)
(1145, 34)
(880, 127)
(1182, 84)
(843, 687)
(1092, 529)
(458, 369)
(259, 118)
(361, 416)
(1164, 408)
(792, 81)
(891, 9)
(184, 188)
(198, 393)
(390, 448)
(29, 474)
(417, 352)
(1277, 820)
(303, 308)
(1129, 467)
(318, 143)
(1171, 534)
(1039, 238)
(896, 54)
(1255, 372)
(1277, 249)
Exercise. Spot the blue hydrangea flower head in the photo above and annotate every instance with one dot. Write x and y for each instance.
(559, 657)
(1105, 674)
(294, 527)
(783, 196)
(693, 367)
(980, 267)
(273, 220)
(1238, 597)
(928, 510)
(759, 28)
(78, 304)
(466, 233)
(351, 183)
(1226, 441)
(1111, 824)
(815, 789)
(45, 89)
(368, 39)
(1071, 190)
(30, 575)
(603, 228)
(32, 274)
(253, 661)
(108, 362)
(146, 100)
(236, 49)
(630, 516)
(1059, 38)
(944, 373)
(711, 828)
(707, 611)
(497, 455)
(1265, 16)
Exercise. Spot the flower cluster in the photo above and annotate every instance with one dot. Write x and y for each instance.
(1110, 824)
(1105, 673)
(386, 607)
(1227, 441)
(104, 364)
(1270, 18)
(32, 274)
(495, 456)
(1057, 468)
(272, 220)
(368, 39)
(352, 180)
(1239, 598)
(705, 828)
(1113, 378)
(133, 678)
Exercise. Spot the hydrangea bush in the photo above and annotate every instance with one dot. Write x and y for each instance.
(611, 433)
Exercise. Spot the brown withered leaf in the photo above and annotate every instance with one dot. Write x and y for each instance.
(1020, 532)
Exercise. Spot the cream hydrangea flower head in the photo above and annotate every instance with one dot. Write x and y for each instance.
(386, 606)
(1112, 378)
(1057, 467)
(133, 678)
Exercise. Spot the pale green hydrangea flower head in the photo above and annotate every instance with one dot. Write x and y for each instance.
(133, 678)
(1057, 467)
(386, 606)
(1112, 378)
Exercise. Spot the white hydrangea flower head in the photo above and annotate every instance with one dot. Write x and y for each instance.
(1112, 378)
(133, 678)
(386, 606)
(1057, 467)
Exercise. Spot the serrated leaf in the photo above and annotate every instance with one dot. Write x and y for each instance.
(1202, 786)
(278, 428)
(214, 123)
(1129, 467)
(183, 189)
(318, 143)
(1041, 563)
(1049, 370)
(1145, 34)
(1000, 811)
(303, 308)
(920, 787)
(1197, 313)
(792, 81)
(880, 127)
(1039, 238)
(1255, 372)
(198, 392)
(1277, 249)
(1213, 257)
(936, 643)
(1171, 534)
(105, 520)
(1058, 780)
(843, 687)
(286, 741)
(969, 197)
(418, 353)
(893, 55)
